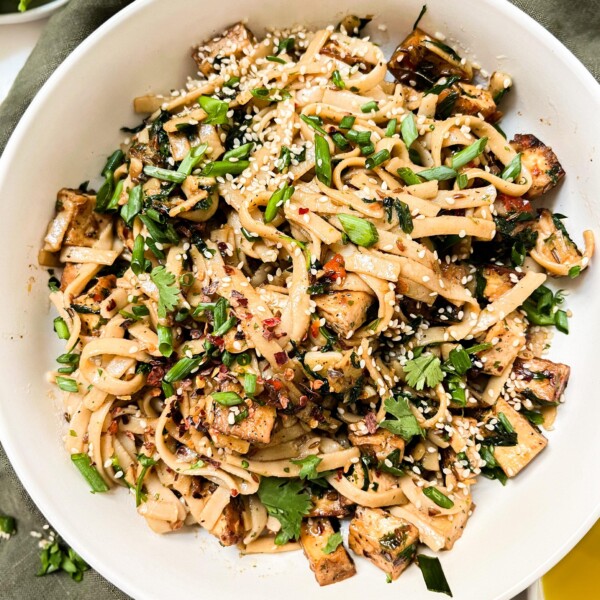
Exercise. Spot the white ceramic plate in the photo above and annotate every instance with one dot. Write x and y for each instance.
(517, 532)
(33, 14)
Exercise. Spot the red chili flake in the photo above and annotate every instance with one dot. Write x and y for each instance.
(371, 422)
(223, 247)
(216, 340)
(271, 322)
(281, 358)
(335, 267)
(315, 326)
(209, 290)
(512, 204)
(234, 493)
(155, 376)
(113, 428)
(111, 304)
(229, 270)
(302, 211)
(240, 299)
(268, 335)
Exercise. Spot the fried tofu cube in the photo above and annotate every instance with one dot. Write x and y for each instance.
(530, 442)
(381, 443)
(389, 542)
(507, 338)
(421, 59)
(344, 311)
(470, 100)
(230, 44)
(498, 281)
(336, 367)
(541, 381)
(229, 527)
(328, 568)
(540, 161)
(330, 504)
(256, 427)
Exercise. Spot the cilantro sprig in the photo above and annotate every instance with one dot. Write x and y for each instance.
(308, 466)
(405, 423)
(168, 292)
(425, 370)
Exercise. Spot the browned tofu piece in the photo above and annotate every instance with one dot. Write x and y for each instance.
(530, 442)
(389, 542)
(256, 427)
(69, 274)
(330, 504)
(498, 281)
(540, 161)
(89, 303)
(229, 527)
(423, 60)
(469, 100)
(507, 338)
(381, 443)
(76, 223)
(539, 380)
(553, 244)
(328, 568)
(231, 43)
(344, 311)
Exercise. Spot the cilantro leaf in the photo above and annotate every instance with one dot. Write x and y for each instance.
(405, 424)
(335, 539)
(168, 292)
(308, 466)
(288, 502)
(423, 370)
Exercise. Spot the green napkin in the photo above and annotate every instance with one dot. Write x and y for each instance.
(576, 26)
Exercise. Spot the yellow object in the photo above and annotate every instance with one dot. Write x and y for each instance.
(577, 575)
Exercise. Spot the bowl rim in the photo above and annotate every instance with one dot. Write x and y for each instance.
(42, 499)
(35, 14)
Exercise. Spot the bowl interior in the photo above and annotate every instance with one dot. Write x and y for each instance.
(71, 127)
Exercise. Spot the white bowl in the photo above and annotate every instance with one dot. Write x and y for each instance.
(33, 14)
(517, 532)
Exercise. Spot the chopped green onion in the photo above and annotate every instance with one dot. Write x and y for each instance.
(286, 45)
(337, 80)
(284, 161)
(165, 340)
(347, 122)
(271, 94)
(436, 496)
(134, 204)
(561, 321)
(505, 422)
(323, 160)
(224, 167)
(433, 574)
(340, 141)
(251, 237)
(250, 384)
(139, 263)
(244, 359)
(240, 152)
(220, 313)
(186, 279)
(227, 398)
(182, 368)
(440, 173)
(191, 159)
(466, 155)
(203, 306)
(408, 129)
(462, 181)
(164, 174)
(146, 462)
(390, 130)
(367, 149)
(460, 361)
(61, 328)
(83, 462)
(314, 122)
(513, 169)
(440, 87)
(377, 159)
(360, 231)
(574, 271)
(371, 106)
(279, 197)
(408, 176)
(276, 59)
(360, 137)
(114, 160)
(215, 109)
(68, 359)
(168, 389)
(7, 525)
(66, 384)
(225, 327)
(113, 204)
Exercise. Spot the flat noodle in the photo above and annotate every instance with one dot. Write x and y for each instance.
(293, 296)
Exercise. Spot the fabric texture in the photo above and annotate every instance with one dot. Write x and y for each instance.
(575, 24)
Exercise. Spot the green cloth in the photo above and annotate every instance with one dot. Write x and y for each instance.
(575, 24)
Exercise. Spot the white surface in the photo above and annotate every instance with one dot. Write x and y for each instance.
(16, 43)
(517, 532)
(33, 14)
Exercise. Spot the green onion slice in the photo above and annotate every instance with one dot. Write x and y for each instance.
(83, 462)
(466, 155)
(227, 398)
(323, 160)
(164, 174)
(436, 496)
(360, 231)
(433, 574)
(377, 159)
(408, 129)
